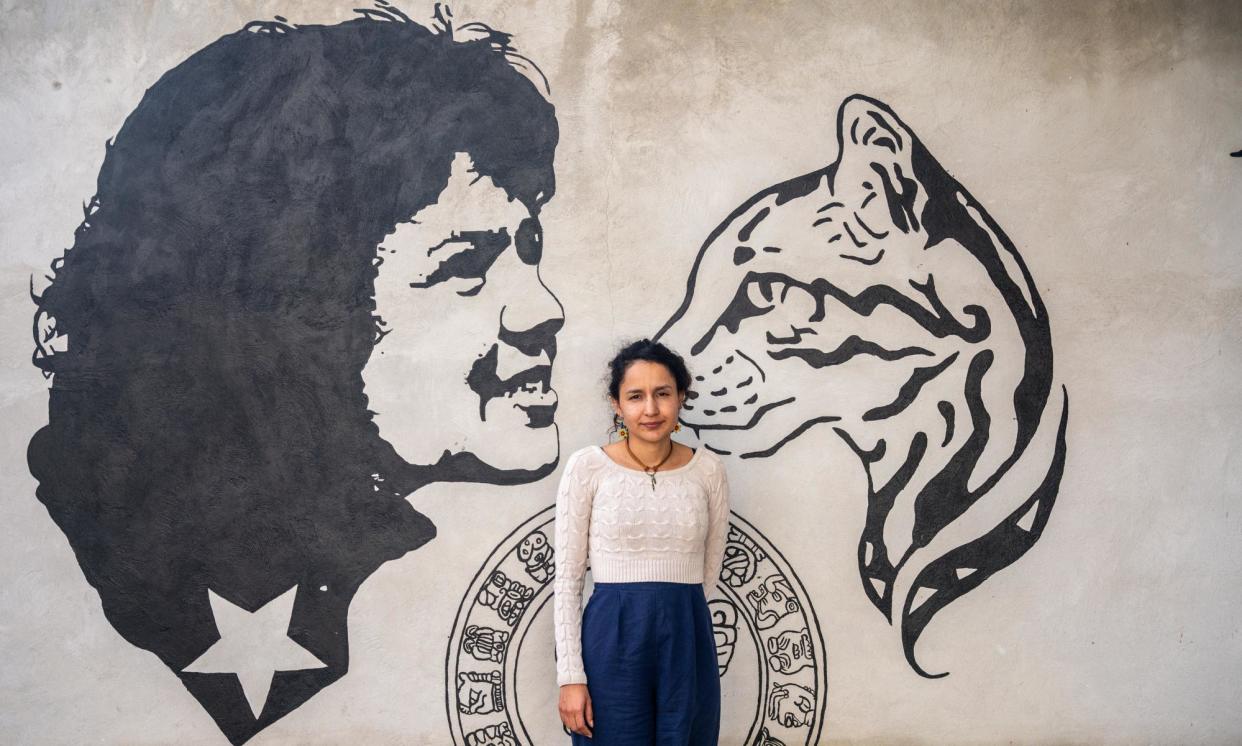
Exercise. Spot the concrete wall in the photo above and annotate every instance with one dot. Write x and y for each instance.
(979, 263)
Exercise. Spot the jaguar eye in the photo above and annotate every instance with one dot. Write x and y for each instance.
(766, 292)
(778, 288)
(759, 293)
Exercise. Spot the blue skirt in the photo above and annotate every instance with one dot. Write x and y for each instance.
(650, 660)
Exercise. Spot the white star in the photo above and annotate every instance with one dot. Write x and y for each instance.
(254, 646)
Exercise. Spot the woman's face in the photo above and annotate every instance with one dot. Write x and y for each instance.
(467, 332)
(649, 401)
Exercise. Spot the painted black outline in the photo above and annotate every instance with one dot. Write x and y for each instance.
(506, 549)
(194, 305)
(948, 211)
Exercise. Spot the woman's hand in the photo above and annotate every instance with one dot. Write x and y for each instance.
(575, 707)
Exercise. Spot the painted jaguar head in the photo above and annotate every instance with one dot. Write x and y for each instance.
(876, 297)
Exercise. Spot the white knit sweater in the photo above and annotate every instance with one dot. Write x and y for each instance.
(609, 514)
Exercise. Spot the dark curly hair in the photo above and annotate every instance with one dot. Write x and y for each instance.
(653, 352)
(207, 330)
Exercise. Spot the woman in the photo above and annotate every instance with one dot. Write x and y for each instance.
(639, 665)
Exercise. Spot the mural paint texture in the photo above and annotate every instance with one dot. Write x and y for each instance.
(245, 311)
(876, 297)
(253, 299)
(285, 479)
(306, 289)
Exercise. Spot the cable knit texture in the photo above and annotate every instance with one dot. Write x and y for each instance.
(608, 514)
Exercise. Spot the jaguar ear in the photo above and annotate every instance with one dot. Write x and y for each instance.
(863, 122)
(874, 143)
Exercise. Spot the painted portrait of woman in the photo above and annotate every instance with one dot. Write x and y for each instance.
(306, 286)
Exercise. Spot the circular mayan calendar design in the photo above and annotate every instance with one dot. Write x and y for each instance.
(500, 666)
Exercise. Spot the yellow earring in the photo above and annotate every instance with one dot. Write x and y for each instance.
(676, 427)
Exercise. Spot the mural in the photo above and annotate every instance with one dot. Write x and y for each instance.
(298, 390)
(246, 343)
(762, 614)
(245, 338)
(876, 297)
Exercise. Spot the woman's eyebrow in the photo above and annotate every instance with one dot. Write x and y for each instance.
(482, 249)
(663, 387)
(473, 238)
(491, 241)
(451, 239)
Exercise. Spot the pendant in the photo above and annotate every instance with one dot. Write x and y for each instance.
(652, 474)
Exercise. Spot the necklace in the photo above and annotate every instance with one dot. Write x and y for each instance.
(651, 470)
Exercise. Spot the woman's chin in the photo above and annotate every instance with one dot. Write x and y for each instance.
(656, 437)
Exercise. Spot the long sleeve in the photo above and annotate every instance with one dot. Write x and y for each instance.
(573, 519)
(717, 531)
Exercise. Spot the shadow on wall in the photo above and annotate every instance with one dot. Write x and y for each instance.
(228, 451)
(877, 297)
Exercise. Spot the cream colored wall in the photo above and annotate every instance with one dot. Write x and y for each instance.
(1097, 135)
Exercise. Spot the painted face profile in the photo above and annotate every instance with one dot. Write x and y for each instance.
(305, 288)
(466, 332)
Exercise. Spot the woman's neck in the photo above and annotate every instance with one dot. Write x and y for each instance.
(650, 454)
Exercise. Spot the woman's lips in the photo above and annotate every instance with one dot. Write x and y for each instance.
(650, 425)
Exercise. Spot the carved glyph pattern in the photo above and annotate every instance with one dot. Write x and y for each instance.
(760, 602)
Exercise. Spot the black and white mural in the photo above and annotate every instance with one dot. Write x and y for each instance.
(245, 340)
(877, 298)
(280, 465)
(249, 377)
